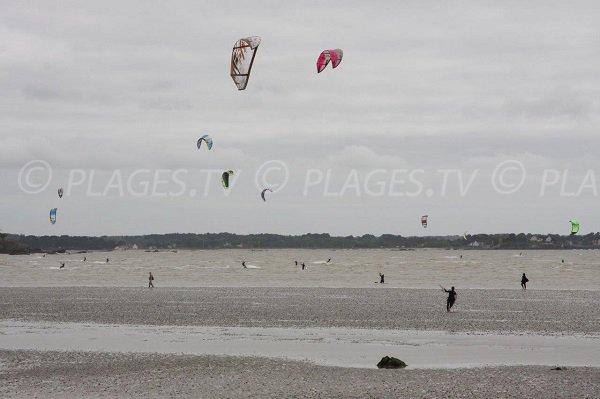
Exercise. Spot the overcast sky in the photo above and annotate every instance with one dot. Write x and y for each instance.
(428, 93)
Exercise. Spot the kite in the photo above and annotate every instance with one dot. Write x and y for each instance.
(207, 139)
(53, 215)
(262, 194)
(424, 221)
(225, 178)
(60, 192)
(242, 58)
(574, 227)
(335, 56)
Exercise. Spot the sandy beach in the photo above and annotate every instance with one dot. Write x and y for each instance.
(101, 375)
(499, 311)
(71, 372)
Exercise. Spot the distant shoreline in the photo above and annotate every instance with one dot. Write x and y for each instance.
(27, 244)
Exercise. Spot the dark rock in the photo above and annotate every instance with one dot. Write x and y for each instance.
(388, 362)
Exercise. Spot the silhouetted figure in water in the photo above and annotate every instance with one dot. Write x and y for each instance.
(43, 256)
(303, 266)
(296, 262)
(62, 265)
(150, 281)
(381, 278)
(451, 298)
(244, 264)
(106, 260)
(524, 281)
(562, 261)
(328, 260)
(461, 256)
(84, 258)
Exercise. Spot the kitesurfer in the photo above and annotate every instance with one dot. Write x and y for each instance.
(150, 280)
(62, 265)
(451, 298)
(524, 281)
(244, 264)
(328, 260)
(381, 278)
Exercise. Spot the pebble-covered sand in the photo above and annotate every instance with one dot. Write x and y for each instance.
(102, 375)
(499, 311)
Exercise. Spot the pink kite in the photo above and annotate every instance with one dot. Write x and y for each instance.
(335, 56)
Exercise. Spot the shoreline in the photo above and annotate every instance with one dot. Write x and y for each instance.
(336, 347)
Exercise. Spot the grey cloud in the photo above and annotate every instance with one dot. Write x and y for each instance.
(562, 102)
(465, 84)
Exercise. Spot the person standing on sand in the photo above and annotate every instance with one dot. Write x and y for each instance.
(451, 298)
(524, 281)
(150, 281)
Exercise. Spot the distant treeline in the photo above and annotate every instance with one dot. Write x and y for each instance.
(16, 244)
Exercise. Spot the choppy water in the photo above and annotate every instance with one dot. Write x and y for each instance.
(276, 268)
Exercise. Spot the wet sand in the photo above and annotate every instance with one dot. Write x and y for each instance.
(71, 373)
(95, 375)
(497, 311)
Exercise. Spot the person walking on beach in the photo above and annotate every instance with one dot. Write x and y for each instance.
(381, 278)
(451, 298)
(150, 281)
(524, 281)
